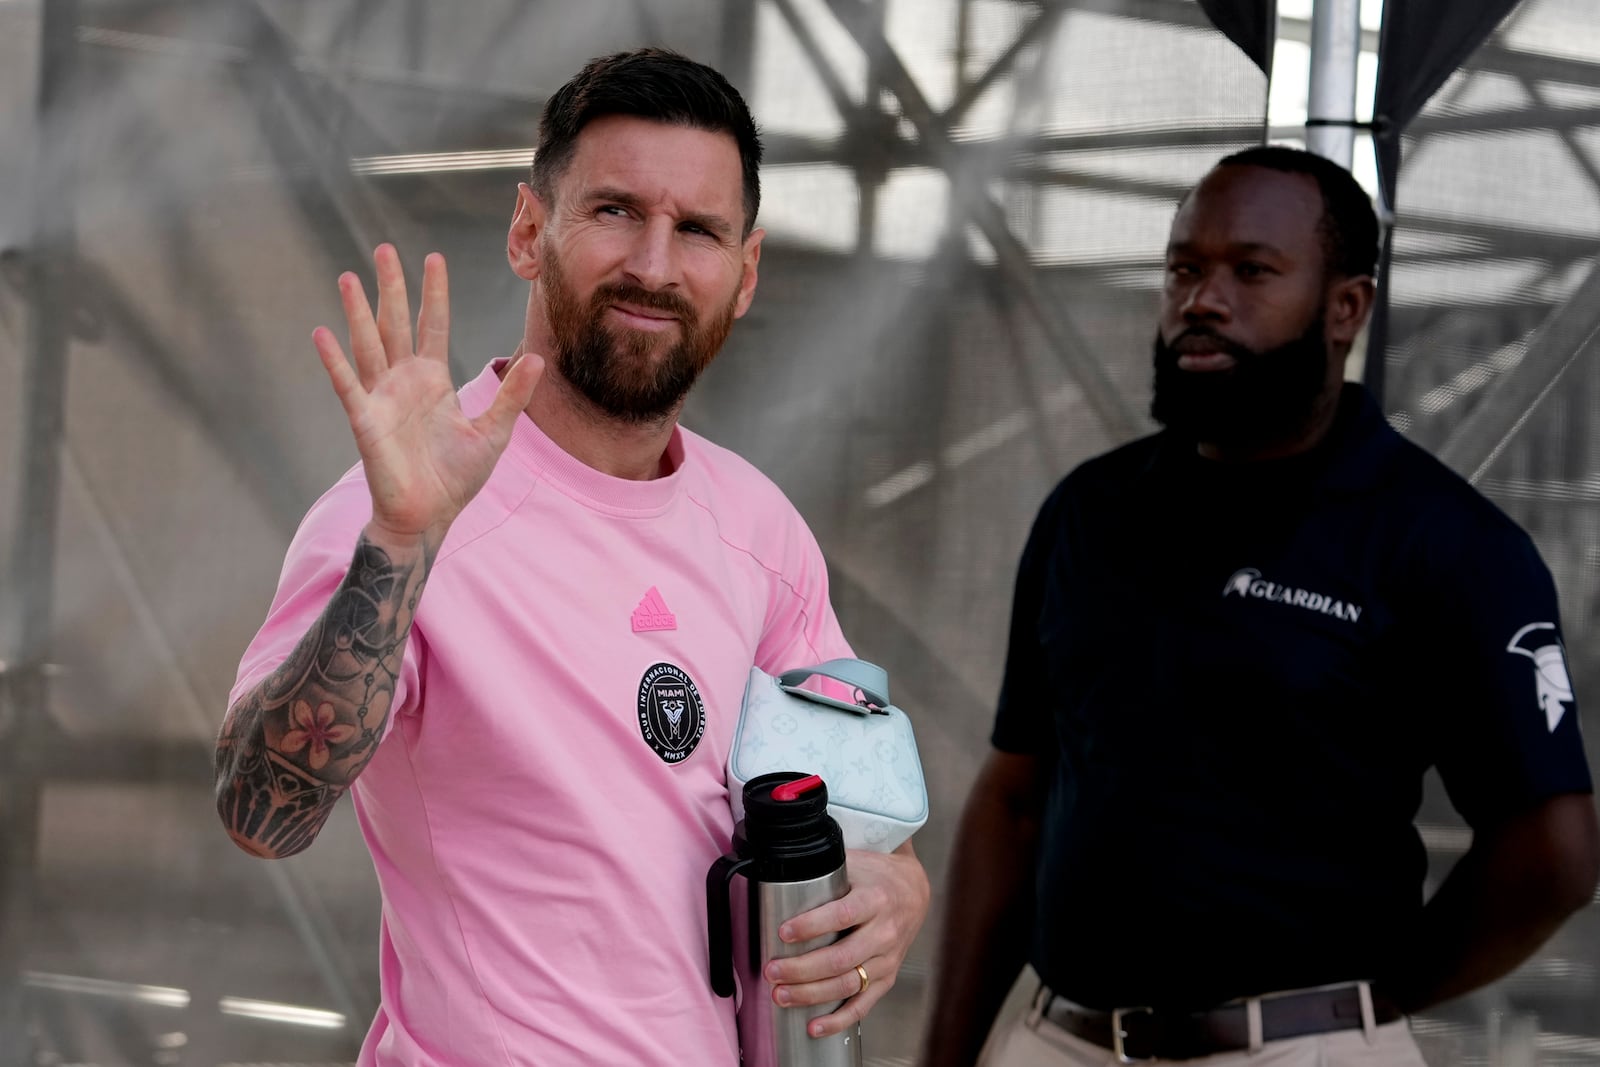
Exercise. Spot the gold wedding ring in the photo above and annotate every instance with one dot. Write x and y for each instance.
(861, 969)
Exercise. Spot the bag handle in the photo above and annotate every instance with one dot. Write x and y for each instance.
(871, 680)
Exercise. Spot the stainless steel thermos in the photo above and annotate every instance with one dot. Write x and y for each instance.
(787, 858)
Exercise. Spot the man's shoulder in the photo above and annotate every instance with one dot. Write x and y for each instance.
(1115, 470)
(1416, 480)
(1436, 525)
(1094, 486)
(713, 468)
(748, 507)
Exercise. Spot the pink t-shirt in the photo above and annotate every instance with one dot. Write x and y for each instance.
(552, 786)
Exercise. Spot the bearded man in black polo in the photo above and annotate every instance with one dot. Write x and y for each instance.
(1236, 647)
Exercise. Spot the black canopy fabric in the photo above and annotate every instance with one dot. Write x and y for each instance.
(1421, 43)
(1250, 24)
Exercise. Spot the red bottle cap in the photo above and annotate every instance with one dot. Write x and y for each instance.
(792, 790)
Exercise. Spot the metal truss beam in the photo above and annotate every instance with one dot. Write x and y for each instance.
(969, 93)
(737, 54)
(305, 131)
(358, 15)
(139, 760)
(68, 1033)
(251, 451)
(1109, 406)
(1580, 157)
(1482, 240)
(307, 128)
(873, 145)
(846, 105)
(416, 34)
(476, 100)
(246, 446)
(124, 759)
(1541, 119)
(1565, 339)
(1491, 57)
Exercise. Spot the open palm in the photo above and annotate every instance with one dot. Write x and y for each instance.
(424, 458)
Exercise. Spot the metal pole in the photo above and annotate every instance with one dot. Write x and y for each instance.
(30, 589)
(1331, 108)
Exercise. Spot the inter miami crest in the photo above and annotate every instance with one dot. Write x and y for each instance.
(1552, 686)
(672, 716)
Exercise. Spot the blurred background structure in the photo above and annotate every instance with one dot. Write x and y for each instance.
(967, 203)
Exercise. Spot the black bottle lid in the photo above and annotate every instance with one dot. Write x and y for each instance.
(787, 830)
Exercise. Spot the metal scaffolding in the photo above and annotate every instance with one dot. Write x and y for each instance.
(306, 109)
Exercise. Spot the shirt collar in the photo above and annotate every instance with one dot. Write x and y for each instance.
(1358, 442)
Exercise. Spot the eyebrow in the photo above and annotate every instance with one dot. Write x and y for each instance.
(715, 224)
(1237, 247)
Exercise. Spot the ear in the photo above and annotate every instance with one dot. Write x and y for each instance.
(1349, 302)
(750, 254)
(522, 242)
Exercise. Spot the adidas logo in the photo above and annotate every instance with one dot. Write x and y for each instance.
(653, 614)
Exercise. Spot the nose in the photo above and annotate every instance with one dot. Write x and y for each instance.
(652, 258)
(1205, 300)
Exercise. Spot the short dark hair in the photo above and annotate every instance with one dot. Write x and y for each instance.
(1348, 225)
(648, 83)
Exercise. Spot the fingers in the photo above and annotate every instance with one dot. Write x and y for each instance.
(837, 984)
(849, 1014)
(394, 312)
(832, 961)
(379, 341)
(365, 345)
(433, 322)
(515, 392)
(830, 918)
(346, 385)
(882, 912)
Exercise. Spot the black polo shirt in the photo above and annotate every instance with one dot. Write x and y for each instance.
(1241, 673)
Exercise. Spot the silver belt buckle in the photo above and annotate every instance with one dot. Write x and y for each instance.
(1119, 1035)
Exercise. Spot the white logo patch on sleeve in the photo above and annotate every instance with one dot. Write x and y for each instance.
(1552, 685)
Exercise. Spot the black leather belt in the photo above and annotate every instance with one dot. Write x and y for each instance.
(1136, 1034)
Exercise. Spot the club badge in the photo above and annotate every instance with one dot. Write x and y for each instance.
(672, 717)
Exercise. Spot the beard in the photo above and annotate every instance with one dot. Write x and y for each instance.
(1267, 396)
(625, 373)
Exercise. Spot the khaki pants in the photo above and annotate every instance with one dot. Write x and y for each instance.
(1035, 1042)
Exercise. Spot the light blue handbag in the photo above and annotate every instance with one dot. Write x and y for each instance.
(863, 749)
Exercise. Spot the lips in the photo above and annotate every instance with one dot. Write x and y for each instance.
(1202, 352)
(1203, 362)
(643, 318)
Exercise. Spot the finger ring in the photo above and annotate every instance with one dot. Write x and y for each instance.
(861, 969)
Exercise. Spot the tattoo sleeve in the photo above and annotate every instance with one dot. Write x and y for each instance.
(293, 745)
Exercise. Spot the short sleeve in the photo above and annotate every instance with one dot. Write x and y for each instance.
(1507, 722)
(318, 558)
(800, 627)
(1023, 722)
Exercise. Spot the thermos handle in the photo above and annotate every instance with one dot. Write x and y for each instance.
(719, 919)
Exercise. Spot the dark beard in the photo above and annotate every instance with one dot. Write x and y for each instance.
(621, 374)
(1267, 397)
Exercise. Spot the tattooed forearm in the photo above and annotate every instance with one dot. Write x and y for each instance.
(293, 745)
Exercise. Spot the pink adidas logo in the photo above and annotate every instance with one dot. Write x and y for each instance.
(653, 614)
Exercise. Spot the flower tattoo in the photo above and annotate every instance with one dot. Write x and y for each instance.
(316, 730)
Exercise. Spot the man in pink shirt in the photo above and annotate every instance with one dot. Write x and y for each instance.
(518, 632)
